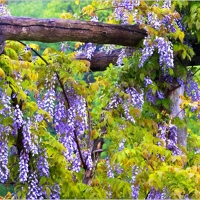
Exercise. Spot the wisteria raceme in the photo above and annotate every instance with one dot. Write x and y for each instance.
(121, 145)
(172, 140)
(151, 97)
(120, 57)
(108, 49)
(23, 166)
(114, 101)
(147, 51)
(87, 50)
(180, 81)
(136, 99)
(162, 130)
(18, 118)
(28, 142)
(157, 194)
(118, 169)
(55, 192)
(166, 52)
(4, 11)
(160, 94)
(152, 20)
(88, 159)
(76, 163)
(134, 189)
(193, 90)
(147, 81)
(42, 164)
(13, 151)
(110, 173)
(4, 172)
(47, 103)
(71, 124)
(34, 190)
(123, 8)
(60, 111)
(127, 115)
(5, 100)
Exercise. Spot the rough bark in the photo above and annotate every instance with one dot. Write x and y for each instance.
(57, 30)
(176, 111)
(96, 151)
(100, 60)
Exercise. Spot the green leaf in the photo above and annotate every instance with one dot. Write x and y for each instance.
(198, 25)
(171, 71)
(43, 180)
(48, 192)
(142, 76)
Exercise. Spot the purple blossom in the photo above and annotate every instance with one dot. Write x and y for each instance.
(147, 51)
(34, 190)
(121, 56)
(121, 145)
(134, 188)
(156, 194)
(180, 81)
(88, 159)
(4, 172)
(110, 173)
(108, 49)
(6, 102)
(147, 81)
(55, 192)
(23, 166)
(192, 90)
(18, 118)
(42, 165)
(27, 140)
(151, 97)
(160, 94)
(47, 103)
(72, 123)
(166, 52)
(4, 11)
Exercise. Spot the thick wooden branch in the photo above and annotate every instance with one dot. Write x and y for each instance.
(57, 30)
(100, 60)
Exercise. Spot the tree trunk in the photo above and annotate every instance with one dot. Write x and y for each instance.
(176, 111)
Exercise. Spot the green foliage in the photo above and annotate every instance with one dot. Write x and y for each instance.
(178, 173)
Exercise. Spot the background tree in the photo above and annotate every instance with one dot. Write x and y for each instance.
(125, 134)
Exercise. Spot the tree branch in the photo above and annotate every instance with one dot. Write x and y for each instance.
(57, 30)
(89, 126)
(100, 60)
(79, 151)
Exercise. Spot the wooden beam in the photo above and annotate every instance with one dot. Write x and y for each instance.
(57, 30)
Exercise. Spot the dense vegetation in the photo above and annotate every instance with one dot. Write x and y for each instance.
(122, 135)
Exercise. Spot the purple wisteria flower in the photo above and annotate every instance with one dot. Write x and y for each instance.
(134, 188)
(42, 164)
(28, 142)
(34, 190)
(55, 192)
(23, 166)
(147, 81)
(4, 172)
(18, 118)
(110, 173)
(193, 90)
